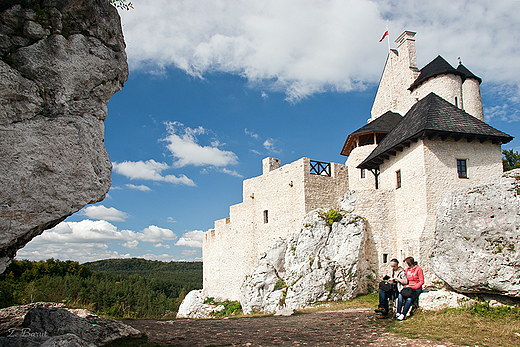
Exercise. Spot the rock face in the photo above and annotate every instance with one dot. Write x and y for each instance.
(441, 299)
(317, 263)
(477, 240)
(53, 326)
(60, 63)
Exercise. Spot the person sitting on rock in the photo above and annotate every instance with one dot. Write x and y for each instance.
(411, 291)
(385, 296)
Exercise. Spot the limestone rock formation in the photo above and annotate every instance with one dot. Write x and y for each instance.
(60, 62)
(476, 247)
(193, 306)
(54, 326)
(318, 263)
(441, 299)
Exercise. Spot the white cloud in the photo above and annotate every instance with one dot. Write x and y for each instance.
(185, 149)
(155, 234)
(264, 95)
(141, 187)
(102, 212)
(270, 145)
(89, 240)
(149, 170)
(171, 220)
(131, 244)
(191, 239)
(251, 133)
(303, 47)
(157, 245)
(101, 232)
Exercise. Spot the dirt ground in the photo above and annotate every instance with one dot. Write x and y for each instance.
(352, 327)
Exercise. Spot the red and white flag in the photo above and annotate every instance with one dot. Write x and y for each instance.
(384, 35)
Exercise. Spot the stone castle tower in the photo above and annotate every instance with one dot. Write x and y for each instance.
(425, 137)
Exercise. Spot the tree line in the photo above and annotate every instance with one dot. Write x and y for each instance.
(115, 288)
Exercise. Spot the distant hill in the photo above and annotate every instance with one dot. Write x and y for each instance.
(185, 272)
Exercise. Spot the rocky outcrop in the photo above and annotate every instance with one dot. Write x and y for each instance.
(319, 263)
(193, 306)
(54, 326)
(477, 241)
(60, 62)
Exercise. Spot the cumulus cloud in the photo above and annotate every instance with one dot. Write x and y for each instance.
(89, 240)
(182, 142)
(149, 170)
(191, 239)
(158, 245)
(303, 47)
(140, 187)
(102, 212)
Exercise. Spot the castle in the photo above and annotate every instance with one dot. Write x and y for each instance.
(426, 136)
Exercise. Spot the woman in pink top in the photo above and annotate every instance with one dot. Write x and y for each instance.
(415, 277)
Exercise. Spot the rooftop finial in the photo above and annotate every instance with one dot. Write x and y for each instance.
(460, 61)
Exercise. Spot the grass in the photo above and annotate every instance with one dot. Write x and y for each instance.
(479, 324)
(461, 326)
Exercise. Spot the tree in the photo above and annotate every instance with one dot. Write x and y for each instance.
(510, 159)
(122, 4)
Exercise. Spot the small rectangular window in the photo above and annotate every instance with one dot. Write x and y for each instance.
(398, 179)
(462, 168)
(385, 258)
(362, 173)
(266, 216)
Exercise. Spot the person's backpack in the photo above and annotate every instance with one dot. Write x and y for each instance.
(388, 286)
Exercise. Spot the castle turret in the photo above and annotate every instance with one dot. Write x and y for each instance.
(471, 98)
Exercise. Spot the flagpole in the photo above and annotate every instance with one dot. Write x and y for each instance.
(388, 37)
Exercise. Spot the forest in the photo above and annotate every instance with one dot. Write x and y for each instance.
(114, 288)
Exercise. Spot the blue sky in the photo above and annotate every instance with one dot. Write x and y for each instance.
(217, 86)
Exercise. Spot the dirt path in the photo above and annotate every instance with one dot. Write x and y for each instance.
(353, 327)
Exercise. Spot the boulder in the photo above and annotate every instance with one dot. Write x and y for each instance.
(441, 299)
(476, 246)
(319, 263)
(60, 62)
(193, 306)
(54, 326)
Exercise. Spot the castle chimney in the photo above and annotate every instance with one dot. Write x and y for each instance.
(406, 47)
(269, 164)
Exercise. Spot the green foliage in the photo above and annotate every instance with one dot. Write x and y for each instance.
(209, 301)
(230, 308)
(510, 159)
(125, 288)
(333, 216)
(483, 308)
(122, 4)
(280, 284)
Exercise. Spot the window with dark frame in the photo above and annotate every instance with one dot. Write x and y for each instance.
(398, 179)
(385, 258)
(266, 216)
(363, 173)
(462, 168)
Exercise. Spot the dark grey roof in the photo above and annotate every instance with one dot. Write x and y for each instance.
(437, 66)
(382, 124)
(467, 73)
(432, 116)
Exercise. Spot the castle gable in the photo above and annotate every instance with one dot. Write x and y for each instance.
(432, 116)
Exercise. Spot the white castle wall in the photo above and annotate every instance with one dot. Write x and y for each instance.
(287, 193)
(399, 73)
(448, 87)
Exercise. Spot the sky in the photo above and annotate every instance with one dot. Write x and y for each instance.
(215, 86)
